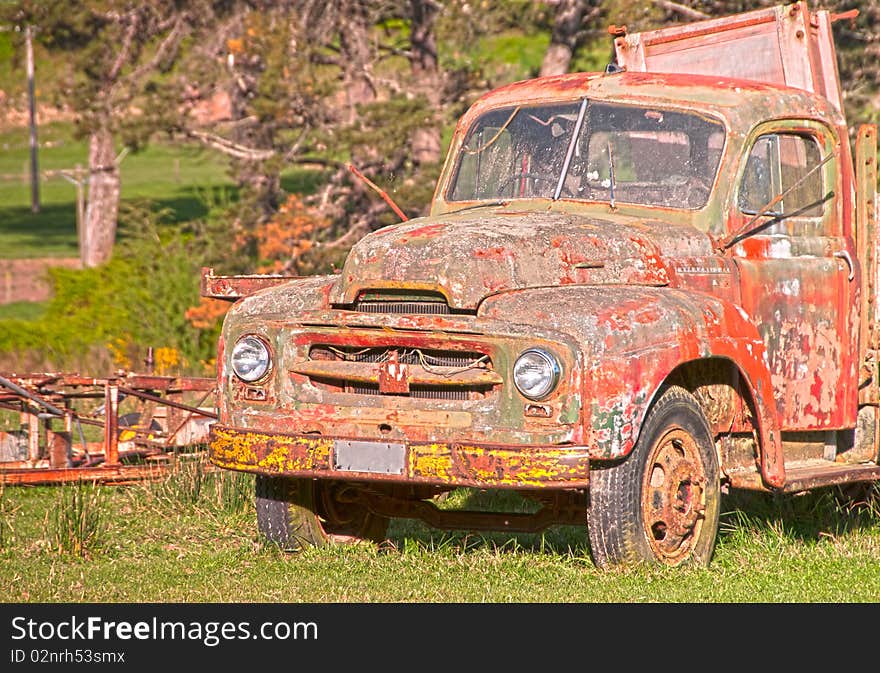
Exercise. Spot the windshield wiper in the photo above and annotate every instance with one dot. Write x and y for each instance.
(747, 228)
(486, 204)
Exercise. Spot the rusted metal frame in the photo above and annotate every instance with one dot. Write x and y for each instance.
(167, 402)
(111, 423)
(232, 288)
(89, 421)
(186, 419)
(809, 477)
(453, 519)
(33, 439)
(170, 385)
(103, 473)
(369, 372)
(866, 244)
(60, 444)
(148, 381)
(19, 390)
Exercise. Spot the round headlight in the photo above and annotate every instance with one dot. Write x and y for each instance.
(536, 373)
(250, 358)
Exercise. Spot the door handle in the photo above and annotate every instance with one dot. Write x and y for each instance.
(844, 255)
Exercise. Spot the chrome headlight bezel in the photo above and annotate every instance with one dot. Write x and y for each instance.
(552, 376)
(255, 343)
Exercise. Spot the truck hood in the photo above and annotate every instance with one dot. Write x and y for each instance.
(470, 256)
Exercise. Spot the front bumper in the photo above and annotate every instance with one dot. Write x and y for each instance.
(435, 463)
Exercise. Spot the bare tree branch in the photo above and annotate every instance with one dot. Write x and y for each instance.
(683, 10)
(298, 144)
(168, 46)
(347, 238)
(228, 147)
(125, 49)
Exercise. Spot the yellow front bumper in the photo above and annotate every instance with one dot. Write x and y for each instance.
(446, 464)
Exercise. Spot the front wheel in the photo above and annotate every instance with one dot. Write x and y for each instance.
(660, 504)
(300, 513)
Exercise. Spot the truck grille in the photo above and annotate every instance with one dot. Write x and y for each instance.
(406, 302)
(429, 362)
(419, 392)
(419, 307)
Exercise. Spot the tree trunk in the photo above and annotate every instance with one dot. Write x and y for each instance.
(564, 38)
(354, 45)
(426, 145)
(99, 232)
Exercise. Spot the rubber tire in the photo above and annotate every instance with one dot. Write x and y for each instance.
(289, 515)
(615, 525)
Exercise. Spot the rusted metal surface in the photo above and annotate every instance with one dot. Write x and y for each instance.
(451, 465)
(105, 474)
(866, 241)
(567, 509)
(813, 474)
(231, 288)
(787, 45)
(767, 317)
(674, 506)
(54, 407)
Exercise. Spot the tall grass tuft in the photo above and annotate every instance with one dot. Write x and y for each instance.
(78, 520)
(7, 512)
(183, 484)
(193, 481)
(230, 492)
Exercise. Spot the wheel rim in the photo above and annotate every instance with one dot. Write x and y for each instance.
(342, 515)
(674, 496)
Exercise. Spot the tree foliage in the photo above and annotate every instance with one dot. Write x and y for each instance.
(321, 84)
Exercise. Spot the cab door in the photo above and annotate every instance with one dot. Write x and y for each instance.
(798, 271)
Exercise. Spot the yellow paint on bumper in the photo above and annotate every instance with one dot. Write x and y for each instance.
(455, 464)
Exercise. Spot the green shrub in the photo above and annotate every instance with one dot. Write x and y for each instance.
(104, 318)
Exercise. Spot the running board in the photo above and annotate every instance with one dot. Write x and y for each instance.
(804, 475)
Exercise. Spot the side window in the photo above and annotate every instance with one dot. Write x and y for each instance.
(779, 162)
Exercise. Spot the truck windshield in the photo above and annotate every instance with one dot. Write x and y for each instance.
(623, 153)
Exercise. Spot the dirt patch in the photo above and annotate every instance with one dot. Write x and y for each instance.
(15, 114)
(27, 280)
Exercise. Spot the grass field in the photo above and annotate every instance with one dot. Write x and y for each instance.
(184, 179)
(22, 310)
(170, 542)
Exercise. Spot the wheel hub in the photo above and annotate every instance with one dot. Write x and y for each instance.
(673, 502)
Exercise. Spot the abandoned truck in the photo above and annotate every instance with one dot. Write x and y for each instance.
(635, 289)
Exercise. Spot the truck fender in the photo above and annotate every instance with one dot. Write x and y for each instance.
(639, 361)
(633, 339)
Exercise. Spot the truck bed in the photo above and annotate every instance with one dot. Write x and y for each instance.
(784, 45)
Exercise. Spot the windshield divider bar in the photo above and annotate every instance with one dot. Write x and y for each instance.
(570, 152)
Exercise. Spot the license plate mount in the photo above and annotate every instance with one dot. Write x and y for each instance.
(372, 457)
